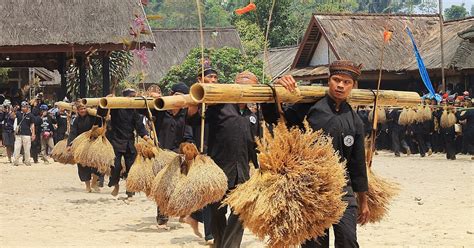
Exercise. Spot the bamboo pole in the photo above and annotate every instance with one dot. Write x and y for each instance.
(71, 107)
(238, 93)
(173, 102)
(126, 102)
(89, 102)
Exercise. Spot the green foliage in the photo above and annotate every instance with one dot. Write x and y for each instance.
(215, 15)
(455, 12)
(429, 7)
(227, 61)
(4, 75)
(120, 64)
(253, 39)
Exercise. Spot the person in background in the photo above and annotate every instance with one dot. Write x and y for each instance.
(61, 127)
(46, 135)
(7, 116)
(25, 133)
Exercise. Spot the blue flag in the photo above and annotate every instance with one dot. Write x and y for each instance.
(421, 67)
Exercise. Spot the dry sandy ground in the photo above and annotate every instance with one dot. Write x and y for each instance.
(45, 206)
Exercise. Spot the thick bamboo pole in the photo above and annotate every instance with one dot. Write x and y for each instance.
(89, 102)
(126, 103)
(238, 93)
(173, 102)
(71, 107)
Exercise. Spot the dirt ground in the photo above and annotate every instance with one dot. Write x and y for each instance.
(45, 205)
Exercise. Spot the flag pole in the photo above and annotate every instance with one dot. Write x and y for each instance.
(441, 24)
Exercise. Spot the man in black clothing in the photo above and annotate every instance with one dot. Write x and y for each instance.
(25, 133)
(336, 118)
(468, 131)
(229, 144)
(61, 129)
(172, 130)
(123, 123)
(83, 122)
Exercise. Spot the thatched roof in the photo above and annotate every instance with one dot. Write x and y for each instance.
(279, 60)
(359, 37)
(172, 47)
(53, 25)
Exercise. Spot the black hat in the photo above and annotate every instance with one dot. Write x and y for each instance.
(180, 87)
(207, 71)
(128, 92)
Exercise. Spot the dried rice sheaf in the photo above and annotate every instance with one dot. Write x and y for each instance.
(297, 193)
(448, 119)
(379, 196)
(407, 117)
(423, 113)
(188, 183)
(92, 149)
(149, 161)
(61, 154)
(381, 115)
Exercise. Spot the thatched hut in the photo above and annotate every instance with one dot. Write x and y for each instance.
(173, 45)
(358, 37)
(51, 34)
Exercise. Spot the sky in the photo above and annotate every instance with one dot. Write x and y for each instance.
(467, 3)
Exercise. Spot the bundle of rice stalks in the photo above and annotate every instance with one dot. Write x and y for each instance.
(407, 117)
(140, 177)
(381, 115)
(161, 159)
(297, 193)
(61, 154)
(381, 192)
(423, 113)
(92, 149)
(427, 113)
(188, 183)
(380, 195)
(448, 119)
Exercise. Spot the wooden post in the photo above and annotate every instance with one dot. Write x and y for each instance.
(62, 70)
(82, 77)
(105, 74)
(443, 80)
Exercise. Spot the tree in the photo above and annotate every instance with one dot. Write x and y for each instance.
(455, 12)
(253, 39)
(227, 61)
(429, 7)
(215, 15)
(472, 10)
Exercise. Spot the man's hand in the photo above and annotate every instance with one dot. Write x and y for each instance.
(146, 138)
(364, 211)
(33, 137)
(288, 82)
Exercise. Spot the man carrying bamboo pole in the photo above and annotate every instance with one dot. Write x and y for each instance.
(337, 118)
(229, 144)
(123, 123)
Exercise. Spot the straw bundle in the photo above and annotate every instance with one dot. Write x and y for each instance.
(297, 193)
(448, 119)
(188, 183)
(61, 154)
(161, 159)
(140, 177)
(381, 191)
(407, 117)
(92, 149)
(381, 115)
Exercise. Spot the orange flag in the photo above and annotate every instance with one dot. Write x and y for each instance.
(387, 35)
(246, 9)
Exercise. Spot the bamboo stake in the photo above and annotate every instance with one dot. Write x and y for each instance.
(174, 102)
(126, 103)
(238, 93)
(71, 107)
(89, 102)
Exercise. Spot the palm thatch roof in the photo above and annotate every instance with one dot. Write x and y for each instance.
(359, 37)
(58, 25)
(278, 60)
(173, 45)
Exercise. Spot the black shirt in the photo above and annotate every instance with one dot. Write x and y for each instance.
(24, 122)
(82, 124)
(344, 126)
(123, 123)
(229, 140)
(172, 130)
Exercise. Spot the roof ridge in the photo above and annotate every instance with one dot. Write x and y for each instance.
(374, 14)
(460, 20)
(195, 29)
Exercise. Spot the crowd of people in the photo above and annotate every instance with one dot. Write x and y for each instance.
(229, 139)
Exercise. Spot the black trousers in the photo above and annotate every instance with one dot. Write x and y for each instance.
(161, 219)
(85, 172)
(129, 158)
(205, 216)
(345, 232)
(420, 139)
(35, 149)
(450, 146)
